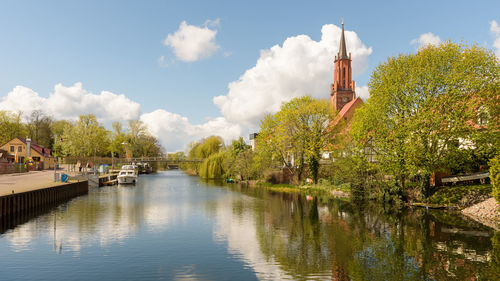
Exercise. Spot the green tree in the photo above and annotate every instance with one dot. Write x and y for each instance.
(85, 138)
(424, 107)
(11, 126)
(495, 177)
(141, 142)
(296, 134)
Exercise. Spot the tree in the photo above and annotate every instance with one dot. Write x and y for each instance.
(39, 127)
(11, 126)
(297, 133)
(495, 177)
(424, 107)
(86, 138)
(141, 142)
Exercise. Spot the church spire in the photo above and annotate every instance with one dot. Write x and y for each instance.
(342, 49)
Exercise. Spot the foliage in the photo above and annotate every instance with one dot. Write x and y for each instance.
(213, 166)
(453, 194)
(11, 125)
(86, 138)
(139, 140)
(39, 128)
(298, 132)
(495, 177)
(422, 108)
(203, 149)
(240, 162)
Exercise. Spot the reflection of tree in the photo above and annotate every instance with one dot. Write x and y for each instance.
(357, 242)
(289, 231)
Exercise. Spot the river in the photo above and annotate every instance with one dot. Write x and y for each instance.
(171, 226)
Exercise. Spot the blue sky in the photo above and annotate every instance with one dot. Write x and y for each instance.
(115, 45)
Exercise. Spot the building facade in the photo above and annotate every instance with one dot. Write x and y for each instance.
(17, 148)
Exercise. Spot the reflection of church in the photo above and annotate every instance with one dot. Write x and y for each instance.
(343, 91)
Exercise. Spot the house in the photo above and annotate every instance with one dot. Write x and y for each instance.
(18, 150)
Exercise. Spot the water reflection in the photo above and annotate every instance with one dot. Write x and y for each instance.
(332, 239)
(172, 226)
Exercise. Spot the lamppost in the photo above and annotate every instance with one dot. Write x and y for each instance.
(55, 157)
(125, 147)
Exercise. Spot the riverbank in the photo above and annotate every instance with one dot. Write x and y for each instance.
(486, 212)
(467, 200)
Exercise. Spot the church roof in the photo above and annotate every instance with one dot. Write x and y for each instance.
(342, 48)
(347, 111)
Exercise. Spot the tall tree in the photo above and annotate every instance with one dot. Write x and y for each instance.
(297, 133)
(424, 107)
(142, 143)
(86, 138)
(39, 128)
(11, 126)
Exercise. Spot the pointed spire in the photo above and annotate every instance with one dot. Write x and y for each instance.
(342, 49)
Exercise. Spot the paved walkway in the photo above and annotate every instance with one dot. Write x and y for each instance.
(21, 182)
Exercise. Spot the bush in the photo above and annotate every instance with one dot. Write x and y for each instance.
(495, 177)
(453, 194)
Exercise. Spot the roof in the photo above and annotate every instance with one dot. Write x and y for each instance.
(5, 154)
(345, 112)
(38, 148)
(342, 48)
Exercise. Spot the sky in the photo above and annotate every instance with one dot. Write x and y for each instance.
(191, 69)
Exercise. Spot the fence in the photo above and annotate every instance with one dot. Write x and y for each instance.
(9, 168)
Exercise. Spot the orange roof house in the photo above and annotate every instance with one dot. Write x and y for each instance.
(18, 148)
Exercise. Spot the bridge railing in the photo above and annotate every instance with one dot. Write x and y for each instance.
(163, 159)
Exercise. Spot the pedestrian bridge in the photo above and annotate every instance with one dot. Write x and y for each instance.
(164, 159)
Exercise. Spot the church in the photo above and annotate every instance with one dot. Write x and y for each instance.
(343, 91)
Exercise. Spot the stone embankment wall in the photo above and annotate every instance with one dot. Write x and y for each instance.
(20, 202)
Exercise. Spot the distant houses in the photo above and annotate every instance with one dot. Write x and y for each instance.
(18, 150)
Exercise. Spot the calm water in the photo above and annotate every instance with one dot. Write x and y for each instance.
(174, 227)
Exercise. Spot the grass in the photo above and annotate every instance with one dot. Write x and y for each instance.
(453, 194)
(321, 188)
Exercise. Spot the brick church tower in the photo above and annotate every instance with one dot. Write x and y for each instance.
(342, 90)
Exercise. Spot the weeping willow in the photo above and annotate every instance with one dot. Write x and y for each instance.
(213, 166)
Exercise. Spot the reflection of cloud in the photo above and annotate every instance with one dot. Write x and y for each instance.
(106, 222)
(241, 235)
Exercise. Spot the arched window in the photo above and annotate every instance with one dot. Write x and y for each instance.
(343, 78)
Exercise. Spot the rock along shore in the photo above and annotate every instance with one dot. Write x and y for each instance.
(486, 212)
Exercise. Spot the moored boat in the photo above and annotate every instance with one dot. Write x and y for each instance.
(127, 175)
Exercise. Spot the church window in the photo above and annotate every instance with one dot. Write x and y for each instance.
(343, 77)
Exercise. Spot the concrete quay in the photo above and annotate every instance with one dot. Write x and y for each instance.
(31, 191)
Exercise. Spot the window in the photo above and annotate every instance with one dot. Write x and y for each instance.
(343, 77)
(19, 149)
(11, 148)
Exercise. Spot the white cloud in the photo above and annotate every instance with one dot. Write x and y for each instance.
(362, 92)
(495, 29)
(161, 61)
(191, 43)
(175, 131)
(426, 39)
(70, 102)
(300, 66)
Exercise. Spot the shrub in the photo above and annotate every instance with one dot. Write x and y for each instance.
(495, 177)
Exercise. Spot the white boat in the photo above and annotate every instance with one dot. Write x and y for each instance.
(128, 174)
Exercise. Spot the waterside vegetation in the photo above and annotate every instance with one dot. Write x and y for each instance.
(435, 111)
(83, 138)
